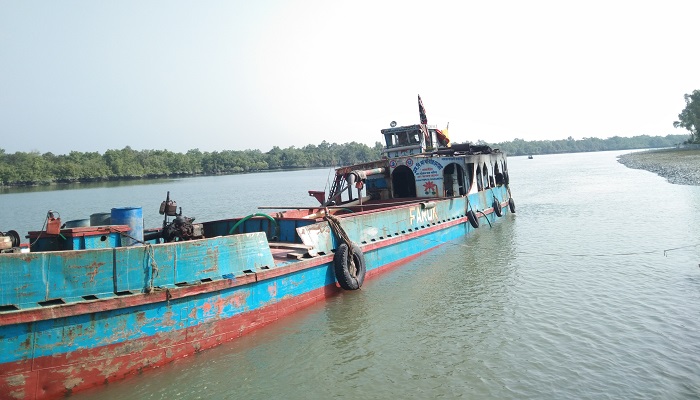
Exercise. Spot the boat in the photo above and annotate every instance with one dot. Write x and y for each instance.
(88, 305)
(529, 157)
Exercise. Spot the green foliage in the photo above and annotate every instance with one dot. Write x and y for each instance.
(519, 147)
(689, 118)
(33, 168)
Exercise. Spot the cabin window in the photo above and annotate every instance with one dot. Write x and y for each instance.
(470, 176)
(403, 182)
(498, 174)
(377, 187)
(479, 179)
(453, 180)
(485, 172)
(406, 138)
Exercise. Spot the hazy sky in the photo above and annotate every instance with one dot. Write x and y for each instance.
(177, 75)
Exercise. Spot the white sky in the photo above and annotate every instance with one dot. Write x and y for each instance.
(177, 75)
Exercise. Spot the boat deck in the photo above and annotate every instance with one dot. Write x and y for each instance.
(283, 252)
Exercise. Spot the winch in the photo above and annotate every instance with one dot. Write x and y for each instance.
(179, 229)
(9, 242)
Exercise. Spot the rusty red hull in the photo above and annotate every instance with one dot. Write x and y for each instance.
(59, 375)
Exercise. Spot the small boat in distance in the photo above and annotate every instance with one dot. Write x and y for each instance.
(89, 305)
(529, 157)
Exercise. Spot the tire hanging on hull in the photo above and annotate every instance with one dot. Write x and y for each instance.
(473, 220)
(497, 208)
(349, 266)
(511, 205)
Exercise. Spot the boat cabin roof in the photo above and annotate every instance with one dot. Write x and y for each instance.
(408, 140)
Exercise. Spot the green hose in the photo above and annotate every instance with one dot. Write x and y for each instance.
(233, 229)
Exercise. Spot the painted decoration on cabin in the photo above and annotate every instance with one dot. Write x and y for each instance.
(427, 169)
(428, 173)
(430, 188)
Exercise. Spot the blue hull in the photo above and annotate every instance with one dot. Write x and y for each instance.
(125, 309)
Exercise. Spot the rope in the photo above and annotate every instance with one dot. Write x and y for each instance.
(679, 248)
(46, 220)
(469, 205)
(151, 257)
(485, 216)
(154, 266)
(328, 179)
(636, 253)
(340, 233)
(337, 229)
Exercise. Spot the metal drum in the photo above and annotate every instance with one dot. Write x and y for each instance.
(77, 223)
(100, 219)
(133, 217)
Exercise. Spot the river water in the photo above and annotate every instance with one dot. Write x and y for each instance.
(578, 295)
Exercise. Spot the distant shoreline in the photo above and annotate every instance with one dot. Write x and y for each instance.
(679, 166)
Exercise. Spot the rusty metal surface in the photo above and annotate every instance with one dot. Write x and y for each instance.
(28, 279)
(367, 227)
(69, 347)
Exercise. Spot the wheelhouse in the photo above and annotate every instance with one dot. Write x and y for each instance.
(417, 165)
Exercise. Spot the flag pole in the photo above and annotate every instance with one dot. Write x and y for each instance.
(423, 121)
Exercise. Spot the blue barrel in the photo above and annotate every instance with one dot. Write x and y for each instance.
(133, 217)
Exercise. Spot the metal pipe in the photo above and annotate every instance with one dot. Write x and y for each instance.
(351, 182)
(374, 171)
(289, 208)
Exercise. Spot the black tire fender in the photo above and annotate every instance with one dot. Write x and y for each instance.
(473, 220)
(349, 266)
(511, 205)
(497, 208)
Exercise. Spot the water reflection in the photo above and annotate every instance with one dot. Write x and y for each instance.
(84, 185)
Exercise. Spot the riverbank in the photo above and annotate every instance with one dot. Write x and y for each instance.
(679, 166)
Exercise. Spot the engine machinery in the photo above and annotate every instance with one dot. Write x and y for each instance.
(9, 242)
(179, 229)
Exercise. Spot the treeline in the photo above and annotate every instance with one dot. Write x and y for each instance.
(519, 147)
(34, 168)
(20, 169)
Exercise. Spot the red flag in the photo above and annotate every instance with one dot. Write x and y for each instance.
(443, 137)
(421, 111)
